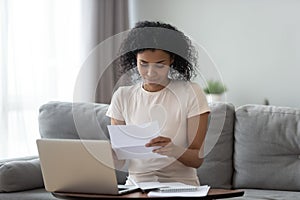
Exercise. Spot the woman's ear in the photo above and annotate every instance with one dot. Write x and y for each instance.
(172, 59)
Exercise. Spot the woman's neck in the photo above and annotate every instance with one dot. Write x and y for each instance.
(154, 87)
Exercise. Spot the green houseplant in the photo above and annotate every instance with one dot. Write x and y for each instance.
(214, 90)
(214, 87)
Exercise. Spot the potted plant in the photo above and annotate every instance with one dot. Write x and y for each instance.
(214, 90)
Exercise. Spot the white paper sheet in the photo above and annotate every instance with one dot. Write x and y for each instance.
(146, 186)
(128, 141)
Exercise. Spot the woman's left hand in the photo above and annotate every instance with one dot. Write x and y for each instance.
(165, 147)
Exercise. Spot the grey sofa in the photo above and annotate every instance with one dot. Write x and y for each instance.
(253, 147)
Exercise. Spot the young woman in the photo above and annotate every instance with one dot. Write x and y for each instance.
(165, 60)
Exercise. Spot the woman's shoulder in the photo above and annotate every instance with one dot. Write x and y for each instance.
(185, 84)
(188, 88)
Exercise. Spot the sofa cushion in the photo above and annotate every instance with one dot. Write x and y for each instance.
(217, 168)
(73, 120)
(20, 174)
(267, 148)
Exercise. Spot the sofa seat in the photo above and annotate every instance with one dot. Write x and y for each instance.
(35, 194)
(256, 194)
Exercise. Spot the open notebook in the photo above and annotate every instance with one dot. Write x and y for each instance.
(168, 189)
(180, 190)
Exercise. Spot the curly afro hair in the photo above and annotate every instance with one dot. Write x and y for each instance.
(148, 35)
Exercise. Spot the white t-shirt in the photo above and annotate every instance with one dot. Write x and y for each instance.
(171, 107)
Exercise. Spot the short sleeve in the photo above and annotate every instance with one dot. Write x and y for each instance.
(197, 103)
(116, 106)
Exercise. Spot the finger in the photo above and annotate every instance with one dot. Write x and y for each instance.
(160, 143)
(163, 151)
(159, 139)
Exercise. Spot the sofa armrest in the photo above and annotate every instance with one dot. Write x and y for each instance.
(20, 174)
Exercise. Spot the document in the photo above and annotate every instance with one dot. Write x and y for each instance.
(128, 141)
(147, 186)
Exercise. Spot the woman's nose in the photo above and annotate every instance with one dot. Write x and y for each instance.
(151, 71)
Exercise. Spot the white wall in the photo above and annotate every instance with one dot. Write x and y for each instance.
(254, 43)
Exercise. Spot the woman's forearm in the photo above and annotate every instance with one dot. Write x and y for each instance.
(190, 158)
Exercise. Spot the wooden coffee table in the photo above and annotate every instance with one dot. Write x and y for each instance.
(212, 194)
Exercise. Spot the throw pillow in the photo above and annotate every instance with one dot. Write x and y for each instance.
(18, 175)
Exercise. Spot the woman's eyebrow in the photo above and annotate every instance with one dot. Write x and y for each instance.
(161, 61)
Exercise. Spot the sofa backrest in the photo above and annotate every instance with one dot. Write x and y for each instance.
(73, 120)
(217, 168)
(267, 148)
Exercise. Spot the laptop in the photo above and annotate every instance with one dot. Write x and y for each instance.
(79, 166)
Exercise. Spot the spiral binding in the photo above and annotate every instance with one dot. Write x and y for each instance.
(179, 189)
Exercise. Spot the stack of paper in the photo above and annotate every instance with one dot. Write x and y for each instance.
(147, 186)
(183, 191)
(128, 141)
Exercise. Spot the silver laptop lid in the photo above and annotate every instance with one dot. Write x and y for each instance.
(77, 166)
